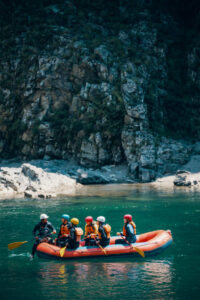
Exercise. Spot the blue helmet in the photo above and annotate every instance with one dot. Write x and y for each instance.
(66, 217)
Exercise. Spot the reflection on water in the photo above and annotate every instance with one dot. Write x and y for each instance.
(171, 275)
(109, 278)
(109, 190)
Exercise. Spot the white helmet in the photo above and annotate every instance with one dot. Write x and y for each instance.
(101, 219)
(43, 216)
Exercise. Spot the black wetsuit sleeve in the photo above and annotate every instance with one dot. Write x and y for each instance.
(51, 227)
(36, 228)
(59, 233)
(103, 234)
(128, 232)
(72, 235)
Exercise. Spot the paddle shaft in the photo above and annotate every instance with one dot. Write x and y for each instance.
(137, 250)
(104, 251)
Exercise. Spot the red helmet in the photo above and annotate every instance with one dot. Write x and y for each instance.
(128, 217)
(89, 219)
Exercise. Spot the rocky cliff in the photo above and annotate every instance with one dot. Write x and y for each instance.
(102, 82)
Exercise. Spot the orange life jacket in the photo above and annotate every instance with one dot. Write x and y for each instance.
(64, 229)
(107, 229)
(91, 228)
(134, 228)
(79, 233)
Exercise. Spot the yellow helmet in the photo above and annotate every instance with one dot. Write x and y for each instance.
(75, 221)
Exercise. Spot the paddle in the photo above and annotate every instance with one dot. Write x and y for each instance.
(137, 249)
(17, 244)
(102, 249)
(62, 251)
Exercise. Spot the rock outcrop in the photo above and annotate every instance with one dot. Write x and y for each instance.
(32, 182)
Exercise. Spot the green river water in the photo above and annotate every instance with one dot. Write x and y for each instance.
(174, 274)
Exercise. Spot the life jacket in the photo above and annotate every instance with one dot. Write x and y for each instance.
(107, 229)
(133, 225)
(64, 229)
(91, 228)
(79, 233)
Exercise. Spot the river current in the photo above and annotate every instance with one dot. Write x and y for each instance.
(174, 274)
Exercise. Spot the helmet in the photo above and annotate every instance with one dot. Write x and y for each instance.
(75, 221)
(66, 217)
(43, 216)
(89, 219)
(128, 217)
(101, 219)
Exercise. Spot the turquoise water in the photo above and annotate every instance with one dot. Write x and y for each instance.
(174, 274)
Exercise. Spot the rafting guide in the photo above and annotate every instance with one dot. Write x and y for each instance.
(42, 232)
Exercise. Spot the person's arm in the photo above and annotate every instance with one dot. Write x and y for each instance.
(134, 226)
(59, 233)
(86, 231)
(120, 233)
(95, 229)
(129, 230)
(103, 234)
(72, 235)
(36, 228)
(52, 228)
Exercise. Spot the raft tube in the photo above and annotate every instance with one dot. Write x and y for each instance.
(152, 243)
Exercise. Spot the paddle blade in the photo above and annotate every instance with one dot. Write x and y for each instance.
(140, 251)
(62, 251)
(16, 245)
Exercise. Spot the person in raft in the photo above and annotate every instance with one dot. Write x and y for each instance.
(75, 234)
(103, 232)
(129, 231)
(91, 231)
(63, 234)
(42, 232)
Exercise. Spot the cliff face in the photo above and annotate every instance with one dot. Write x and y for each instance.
(104, 83)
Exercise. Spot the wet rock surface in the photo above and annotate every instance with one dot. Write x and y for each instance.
(46, 179)
(84, 85)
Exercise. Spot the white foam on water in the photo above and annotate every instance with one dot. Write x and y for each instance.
(27, 254)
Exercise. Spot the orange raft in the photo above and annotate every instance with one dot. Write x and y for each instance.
(152, 243)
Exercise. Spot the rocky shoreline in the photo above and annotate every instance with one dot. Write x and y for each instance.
(54, 178)
(83, 84)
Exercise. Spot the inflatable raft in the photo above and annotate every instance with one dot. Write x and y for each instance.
(152, 243)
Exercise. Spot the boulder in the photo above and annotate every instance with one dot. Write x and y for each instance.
(90, 178)
(180, 182)
(184, 178)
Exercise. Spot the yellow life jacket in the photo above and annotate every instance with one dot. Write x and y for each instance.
(107, 229)
(79, 233)
(91, 228)
(64, 229)
(134, 228)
